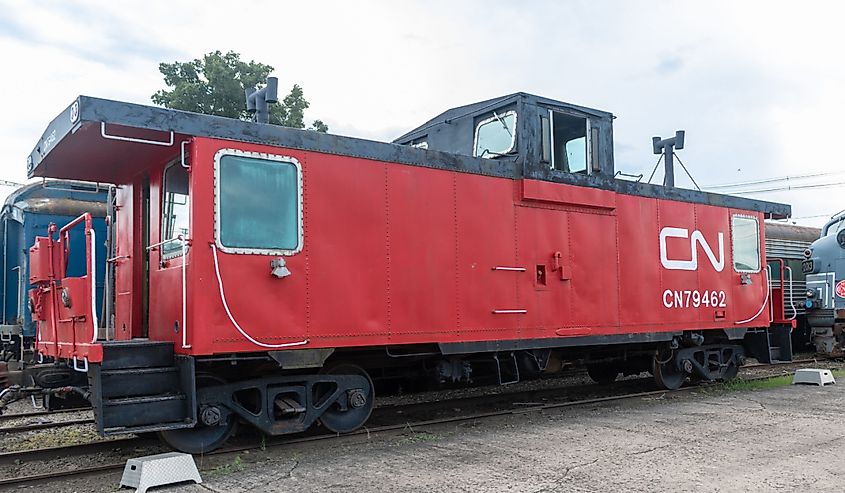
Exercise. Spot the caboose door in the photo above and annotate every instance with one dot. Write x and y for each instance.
(130, 263)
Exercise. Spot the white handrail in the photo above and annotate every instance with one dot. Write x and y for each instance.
(135, 139)
(93, 273)
(791, 300)
(763, 307)
(232, 318)
(185, 344)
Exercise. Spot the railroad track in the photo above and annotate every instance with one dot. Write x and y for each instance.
(389, 418)
(87, 420)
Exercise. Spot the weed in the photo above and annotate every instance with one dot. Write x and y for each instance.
(236, 465)
(763, 384)
(420, 436)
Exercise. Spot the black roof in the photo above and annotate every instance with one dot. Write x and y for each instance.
(80, 144)
(481, 106)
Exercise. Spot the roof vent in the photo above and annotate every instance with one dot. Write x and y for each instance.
(258, 100)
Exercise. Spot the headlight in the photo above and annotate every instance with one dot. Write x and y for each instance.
(810, 293)
(840, 238)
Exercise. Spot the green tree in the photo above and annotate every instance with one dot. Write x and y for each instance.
(215, 84)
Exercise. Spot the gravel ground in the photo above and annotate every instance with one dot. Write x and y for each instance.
(703, 440)
(49, 437)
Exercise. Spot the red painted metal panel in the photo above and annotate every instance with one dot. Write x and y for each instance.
(545, 191)
(543, 233)
(422, 288)
(640, 272)
(345, 276)
(488, 302)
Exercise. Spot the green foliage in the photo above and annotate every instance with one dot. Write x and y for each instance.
(740, 384)
(237, 465)
(215, 85)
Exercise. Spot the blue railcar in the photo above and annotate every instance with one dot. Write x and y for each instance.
(27, 213)
(825, 304)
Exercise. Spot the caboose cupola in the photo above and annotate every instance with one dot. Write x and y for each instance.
(545, 136)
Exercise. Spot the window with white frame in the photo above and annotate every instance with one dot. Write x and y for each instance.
(496, 135)
(745, 238)
(259, 208)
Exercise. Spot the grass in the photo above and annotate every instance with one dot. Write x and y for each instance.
(763, 384)
(766, 383)
(236, 465)
(420, 436)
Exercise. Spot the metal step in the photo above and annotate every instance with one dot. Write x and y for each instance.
(137, 353)
(120, 430)
(139, 382)
(131, 412)
(141, 386)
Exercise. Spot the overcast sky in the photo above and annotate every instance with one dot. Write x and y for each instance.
(758, 86)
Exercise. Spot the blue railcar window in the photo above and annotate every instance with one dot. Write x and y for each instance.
(259, 203)
(745, 235)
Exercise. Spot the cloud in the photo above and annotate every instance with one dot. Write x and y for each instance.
(751, 82)
(115, 42)
(669, 65)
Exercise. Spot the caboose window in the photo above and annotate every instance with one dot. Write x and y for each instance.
(745, 235)
(420, 143)
(496, 135)
(174, 210)
(258, 200)
(570, 142)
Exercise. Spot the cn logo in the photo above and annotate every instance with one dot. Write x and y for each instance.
(696, 239)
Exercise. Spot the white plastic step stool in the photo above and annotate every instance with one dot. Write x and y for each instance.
(158, 470)
(813, 376)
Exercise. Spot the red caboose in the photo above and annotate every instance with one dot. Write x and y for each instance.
(267, 274)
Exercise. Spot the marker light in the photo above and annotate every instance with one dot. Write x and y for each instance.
(808, 304)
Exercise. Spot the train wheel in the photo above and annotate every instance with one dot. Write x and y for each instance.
(201, 438)
(666, 374)
(360, 403)
(603, 374)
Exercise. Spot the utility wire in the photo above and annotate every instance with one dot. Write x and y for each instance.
(772, 180)
(790, 187)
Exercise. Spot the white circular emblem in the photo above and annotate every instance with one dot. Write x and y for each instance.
(74, 112)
